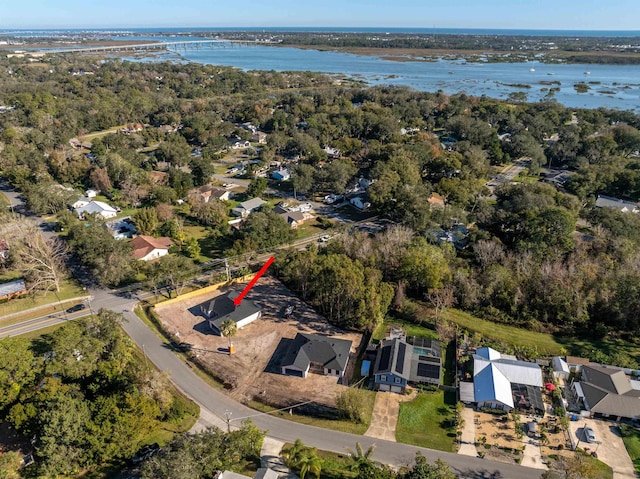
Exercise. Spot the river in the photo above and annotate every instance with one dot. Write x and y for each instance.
(610, 86)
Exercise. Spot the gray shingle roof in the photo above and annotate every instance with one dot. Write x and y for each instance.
(221, 308)
(332, 353)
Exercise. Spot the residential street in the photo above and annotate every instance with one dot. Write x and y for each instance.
(215, 403)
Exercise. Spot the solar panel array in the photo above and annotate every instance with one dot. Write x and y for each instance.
(428, 370)
(402, 349)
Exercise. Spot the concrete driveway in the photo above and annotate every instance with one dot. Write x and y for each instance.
(610, 448)
(468, 438)
(384, 416)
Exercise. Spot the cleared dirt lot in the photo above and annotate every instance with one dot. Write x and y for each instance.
(253, 371)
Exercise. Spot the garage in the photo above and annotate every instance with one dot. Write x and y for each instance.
(396, 389)
(383, 387)
(293, 372)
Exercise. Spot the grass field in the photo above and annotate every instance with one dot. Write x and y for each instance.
(67, 291)
(427, 421)
(546, 344)
(410, 328)
(500, 332)
(631, 438)
(336, 425)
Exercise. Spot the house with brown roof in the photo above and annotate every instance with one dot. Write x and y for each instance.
(207, 192)
(293, 218)
(146, 248)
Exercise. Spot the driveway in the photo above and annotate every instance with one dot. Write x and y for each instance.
(468, 438)
(609, 445)
(385, 416)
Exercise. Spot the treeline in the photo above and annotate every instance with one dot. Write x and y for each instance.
(84, 395)
(445, 41)
(524, 260)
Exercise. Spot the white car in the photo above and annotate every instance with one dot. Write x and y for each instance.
(324, 239)
(589, 434)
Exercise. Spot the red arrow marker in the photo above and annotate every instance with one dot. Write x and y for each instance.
(255, 279)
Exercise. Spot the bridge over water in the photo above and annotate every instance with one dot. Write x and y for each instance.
(177, 45)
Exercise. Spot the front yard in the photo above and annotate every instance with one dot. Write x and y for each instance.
(428, 421)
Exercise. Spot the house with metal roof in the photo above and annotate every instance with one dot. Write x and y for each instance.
(222, 308)
(617, 204)
(316, 353)
(97, 208)
(399, 363)
(12, 289)
(246, 208)
(501, 381)
(608, 392)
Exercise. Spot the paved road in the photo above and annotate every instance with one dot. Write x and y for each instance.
(217, 403)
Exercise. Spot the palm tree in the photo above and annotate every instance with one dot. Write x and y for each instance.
(295, 453)
(310, 462)
(229, 328)
(361, 458)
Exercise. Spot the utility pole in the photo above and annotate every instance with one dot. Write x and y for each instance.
(226, 267)
(146, 362)
(228, 414)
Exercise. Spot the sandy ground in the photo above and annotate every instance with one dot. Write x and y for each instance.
(253, 370)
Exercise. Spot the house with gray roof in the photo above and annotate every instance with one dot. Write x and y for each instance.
(245, 208)
(399, 363)
(316, 353)
(617, 204)
(97, 208)
(221, 308)
(607, 392)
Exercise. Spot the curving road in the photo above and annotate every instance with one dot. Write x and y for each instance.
(215, 402)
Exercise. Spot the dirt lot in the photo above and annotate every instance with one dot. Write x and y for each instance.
(253, 371)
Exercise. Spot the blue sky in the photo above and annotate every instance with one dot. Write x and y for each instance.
(507, 14)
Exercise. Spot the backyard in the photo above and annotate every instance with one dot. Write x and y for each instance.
(545, 344)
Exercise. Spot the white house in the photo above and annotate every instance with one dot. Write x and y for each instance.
(91, 193)
(246, 208)
(502, 382)
(316, 353)
(617, 204)
(146, 248)
(80, 202)
(97, 207)
(221, 308)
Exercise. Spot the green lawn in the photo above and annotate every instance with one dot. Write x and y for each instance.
(335, 424)
(411, 329)
(68, 290)
(546, 344)
(507, 334)
(427, 421)
(631, 438)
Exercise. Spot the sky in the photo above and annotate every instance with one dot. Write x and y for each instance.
(494, 14)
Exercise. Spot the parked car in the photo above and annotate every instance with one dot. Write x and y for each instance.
(76, 308)
(589, 434)
(324, 239)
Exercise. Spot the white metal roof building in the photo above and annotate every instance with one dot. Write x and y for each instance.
(494, 375)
